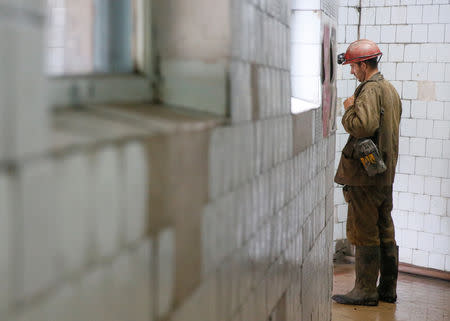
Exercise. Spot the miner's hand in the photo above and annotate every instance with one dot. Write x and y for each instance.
(349, 102)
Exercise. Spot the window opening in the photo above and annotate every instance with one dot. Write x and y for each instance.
(91, 36)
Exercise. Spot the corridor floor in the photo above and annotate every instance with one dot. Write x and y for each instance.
(419, 299)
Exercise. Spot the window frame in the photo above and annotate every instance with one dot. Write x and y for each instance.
(77, 90)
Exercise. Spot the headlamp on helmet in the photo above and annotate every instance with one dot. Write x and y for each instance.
(360, 50)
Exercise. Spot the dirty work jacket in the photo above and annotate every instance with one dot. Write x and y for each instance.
(372, 98)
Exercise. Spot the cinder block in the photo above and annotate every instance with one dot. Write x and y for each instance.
(443, 52)
(441, 129)
(446, 149)
(445, 225)
(342, 213)
(412, 53)
(419, 71)
(392, 3)
(166, 271)
(64, 303)
(388, 69)
(437, 205)
(387, 34)
(418, 109)
(416, 184)
(415, 220)
(409, 239)
(421, 205)
(38, 228)
(447, 263)
(351, 33)
(447, 33)
(444, 13)
(25, 129)
(373, 33)
(400, 219)
(436, 32)
(434, 148)
(384, 47)
(442, 92)
(396, 52)
(340, 36)
(6, 231)
(342, 15)
(433, 186)
(409, 90)
(435, 110)
(408, 127)
(403, 71)
(401, 182)
(376, 3)
(136, 194)
(383, 15)
(426, 128)
(398, 15)
(106, 201)
(241, 92)
(420, 33)
(352, 16)
(368, 16)
(426, 240)
(430, 14)
(442, 243)
(403, 145)
(445, 187)
(73, 219)
(406, 164)
(428, 52)
(406, 108)
(143, 294)
(406, 201)
(417, 146)
(420, 258)
(92, 294)
(414, 14)
(423, 166)
(338, 231)
(447, 110)
(437, 261)
(436, 71)
(405, 254)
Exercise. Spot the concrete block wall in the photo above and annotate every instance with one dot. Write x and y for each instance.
(79, 234)
(414, 37)
(75, 245)
(267, 228)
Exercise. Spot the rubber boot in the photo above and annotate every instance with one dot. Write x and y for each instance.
(387, 289)
(367, 262)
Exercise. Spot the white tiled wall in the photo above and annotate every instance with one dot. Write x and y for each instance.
(415, 44)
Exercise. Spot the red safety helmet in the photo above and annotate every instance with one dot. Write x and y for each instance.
(360, 50)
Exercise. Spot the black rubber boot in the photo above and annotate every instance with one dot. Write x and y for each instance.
(387, 289)
(367, 262)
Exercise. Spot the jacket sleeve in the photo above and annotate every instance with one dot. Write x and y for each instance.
(363, 118)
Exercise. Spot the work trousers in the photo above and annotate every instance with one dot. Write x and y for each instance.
(369, 220)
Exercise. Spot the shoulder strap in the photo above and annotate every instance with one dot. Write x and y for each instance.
(376, 137)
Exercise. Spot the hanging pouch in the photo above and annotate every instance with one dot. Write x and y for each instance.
(370, 157)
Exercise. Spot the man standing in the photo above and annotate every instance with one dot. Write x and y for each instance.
(373, 112)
